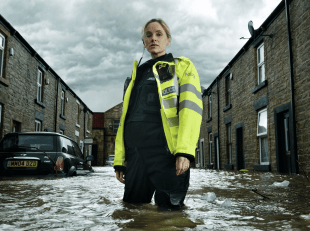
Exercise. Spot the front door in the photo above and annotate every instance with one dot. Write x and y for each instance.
(239, 148)
(202, 153)
(217, 153)
(284, 149)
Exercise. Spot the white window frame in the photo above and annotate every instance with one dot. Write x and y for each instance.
(210, 106)
(228, 96)
(260, 64)
(38, 125)
(39, 85)
(262, 135)
(78, 113)
(62, 97)
(210, 147)
(2, 58)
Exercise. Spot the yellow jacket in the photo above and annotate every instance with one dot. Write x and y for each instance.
(181, 117)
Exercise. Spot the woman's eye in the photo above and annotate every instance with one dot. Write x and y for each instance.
(148, 35)
(158, 34)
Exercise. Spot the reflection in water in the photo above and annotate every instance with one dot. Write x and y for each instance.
(94, 202)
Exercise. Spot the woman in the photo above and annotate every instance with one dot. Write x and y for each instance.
(160, 124)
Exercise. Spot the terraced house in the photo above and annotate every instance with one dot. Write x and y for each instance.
(33, 97)
(257, 110)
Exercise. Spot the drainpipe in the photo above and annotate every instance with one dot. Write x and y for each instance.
(293, 120)
(58, 80)
(218, 118)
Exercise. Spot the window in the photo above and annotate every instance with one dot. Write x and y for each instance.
(261, 63)
(77, 113)
(81, 145)
(210, 147)
(2, 42)
(115, 125)
(227, 83)
(210, 103)
(67, 146)
(262, 134)
(229, 144)
(38, 125)
(62, 102)
(77, 150)
(39, 86)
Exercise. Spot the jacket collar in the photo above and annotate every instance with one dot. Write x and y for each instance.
(166, 58)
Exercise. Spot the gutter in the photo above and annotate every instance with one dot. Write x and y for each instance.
(58, 81)
(292, 109)
(218, 119)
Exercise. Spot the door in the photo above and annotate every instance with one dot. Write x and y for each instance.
(217, 151)
(239, 148)
(202, 153)
(284, 147)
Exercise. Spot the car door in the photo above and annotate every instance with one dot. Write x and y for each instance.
(83, 166)
(68, 151)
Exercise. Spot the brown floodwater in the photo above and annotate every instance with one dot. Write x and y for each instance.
(94, 202)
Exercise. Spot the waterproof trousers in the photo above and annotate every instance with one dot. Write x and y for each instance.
(152, 170)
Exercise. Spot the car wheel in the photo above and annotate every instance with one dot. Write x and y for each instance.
(72, 171)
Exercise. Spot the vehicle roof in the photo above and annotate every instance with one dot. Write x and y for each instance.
(38, 133)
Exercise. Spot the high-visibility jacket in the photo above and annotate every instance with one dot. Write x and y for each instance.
(181, 116)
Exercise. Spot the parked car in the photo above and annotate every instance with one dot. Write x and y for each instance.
(110, 160)
(45, 153)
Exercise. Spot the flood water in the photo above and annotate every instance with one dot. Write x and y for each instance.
(94, 202)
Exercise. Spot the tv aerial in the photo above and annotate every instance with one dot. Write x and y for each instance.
(254, 32)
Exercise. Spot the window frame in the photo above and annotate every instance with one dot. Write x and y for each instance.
(210, 105)
(263, 135)
(78, 113)
(38, 125)
(2, 47)
(260, 63)
(116, 125)
(62, 98)
(40, 86)
(227, 88)
(258, 120)
(229, 143)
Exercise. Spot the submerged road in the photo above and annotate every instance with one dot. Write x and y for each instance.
(243, 201)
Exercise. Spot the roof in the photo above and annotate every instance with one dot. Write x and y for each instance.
(29, 48)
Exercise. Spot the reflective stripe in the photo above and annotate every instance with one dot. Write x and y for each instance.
(174, 121)
(191, 88)
(170, 103)
(190, 105)
(175, 78)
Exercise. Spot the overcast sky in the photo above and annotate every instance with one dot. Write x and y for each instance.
(91, 44)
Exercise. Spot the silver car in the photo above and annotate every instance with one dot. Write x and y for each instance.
(110, 161)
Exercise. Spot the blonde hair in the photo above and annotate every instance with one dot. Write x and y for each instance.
(161, 22)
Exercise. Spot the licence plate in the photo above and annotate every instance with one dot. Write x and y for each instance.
(23, 163)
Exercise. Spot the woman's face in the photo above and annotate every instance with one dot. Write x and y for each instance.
(156, 40)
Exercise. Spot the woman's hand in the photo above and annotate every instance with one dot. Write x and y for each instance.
(182, 164)
(120, 176)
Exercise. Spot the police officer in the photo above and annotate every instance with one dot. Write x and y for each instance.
(160, 124)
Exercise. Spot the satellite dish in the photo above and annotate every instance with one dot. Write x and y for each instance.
(251, 28)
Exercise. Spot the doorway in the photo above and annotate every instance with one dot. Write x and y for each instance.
(217, 151)
(202, 158)
(284, 147)
(239, 148)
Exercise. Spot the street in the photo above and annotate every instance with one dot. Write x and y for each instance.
(244, 201)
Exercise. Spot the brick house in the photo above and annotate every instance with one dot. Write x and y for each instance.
(105, 125)
(33, 97)
(252, 119)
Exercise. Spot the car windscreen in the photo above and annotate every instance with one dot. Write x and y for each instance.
(43, 142)
(110, 158)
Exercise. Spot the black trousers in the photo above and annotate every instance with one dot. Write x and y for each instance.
(152, 170)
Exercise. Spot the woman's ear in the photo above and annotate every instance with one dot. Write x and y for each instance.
(168, 41)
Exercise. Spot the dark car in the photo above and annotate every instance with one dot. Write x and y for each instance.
(25, 153)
